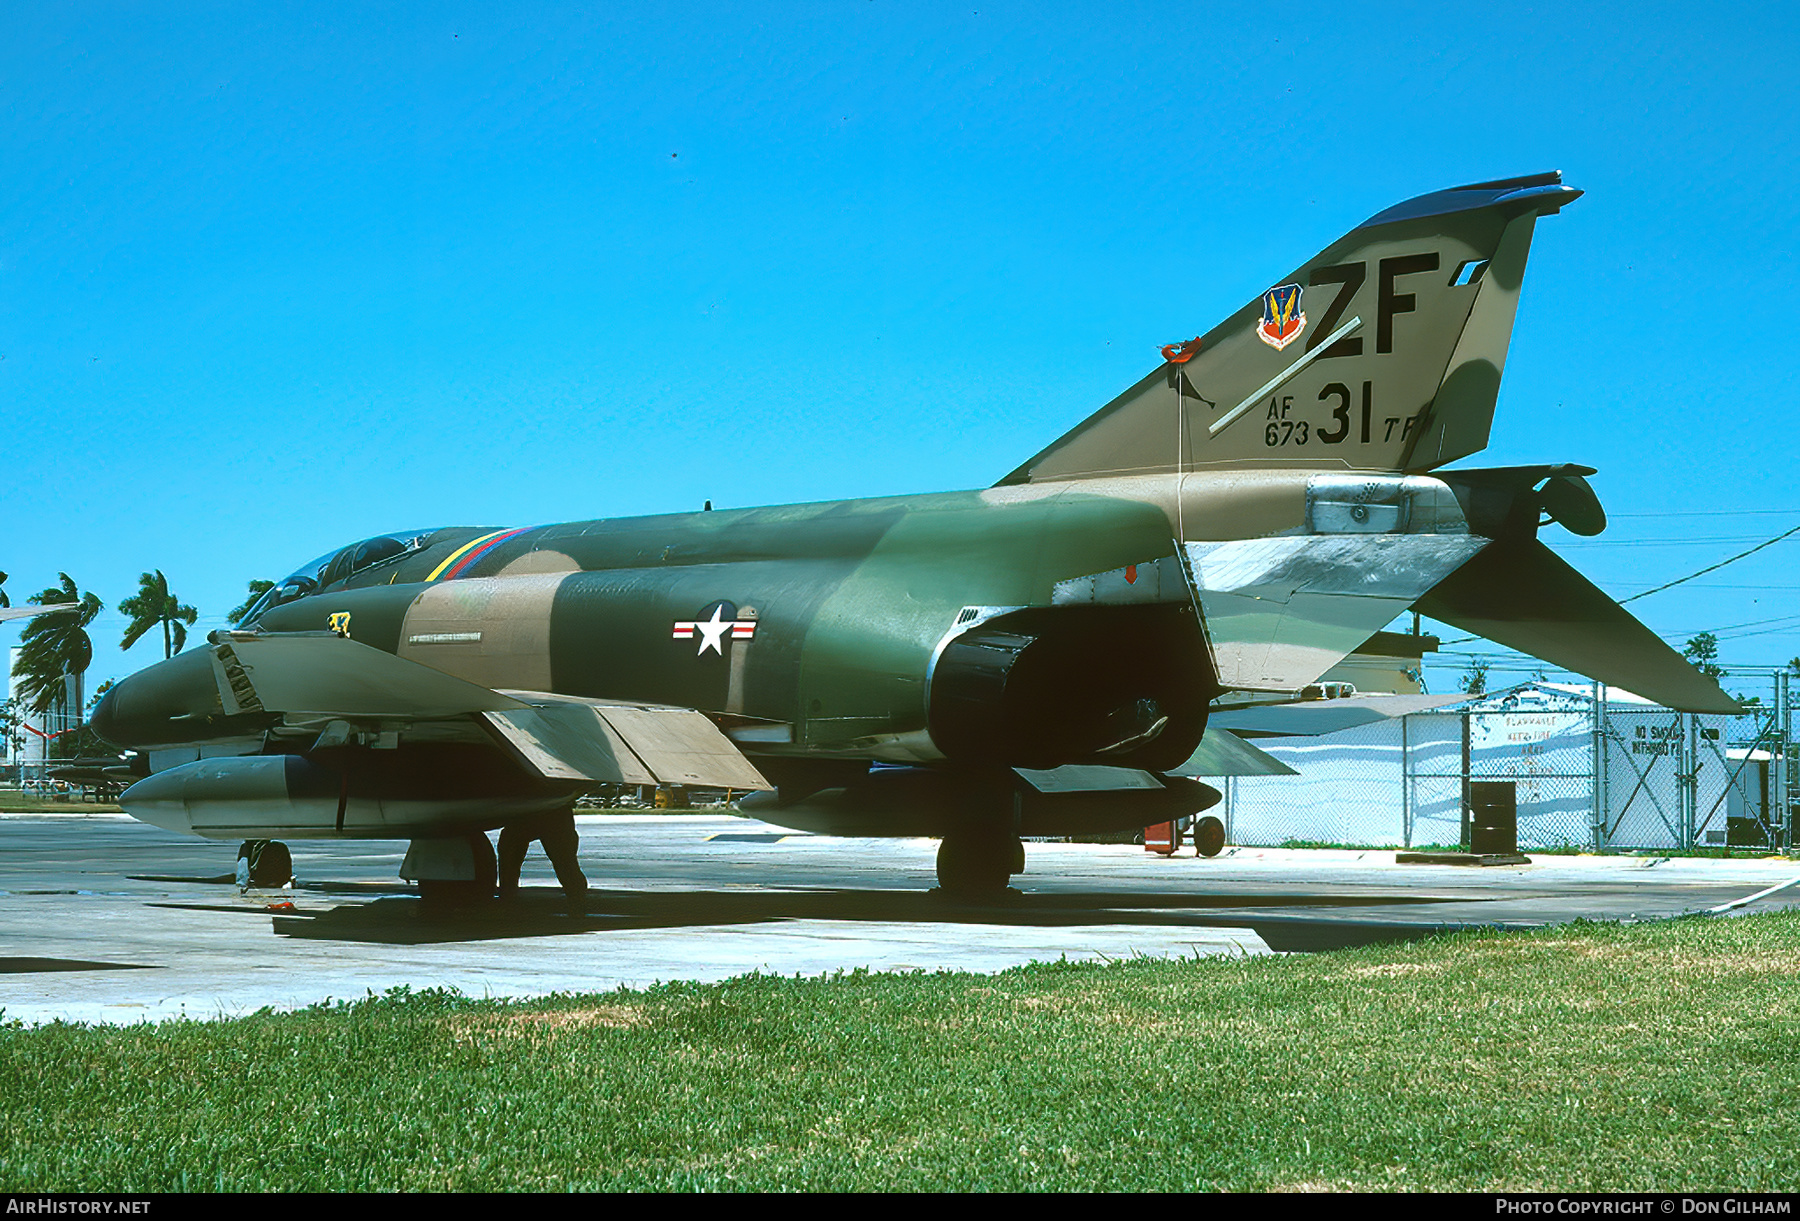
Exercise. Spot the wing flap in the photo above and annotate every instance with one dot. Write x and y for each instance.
(569, 742)
(683, 747)
(564, 737)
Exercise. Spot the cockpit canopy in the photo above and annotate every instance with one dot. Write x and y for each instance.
(337, 566)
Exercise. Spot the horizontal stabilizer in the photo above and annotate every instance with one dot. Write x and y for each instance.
(1311, 718)
(1518, 593)
(564, 738)
(1223, 753)
(1087, 778)
(323, 673)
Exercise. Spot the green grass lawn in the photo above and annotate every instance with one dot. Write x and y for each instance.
(22, 803)
(1588, 1057)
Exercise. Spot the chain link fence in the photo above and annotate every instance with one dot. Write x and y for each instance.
(1589, 770)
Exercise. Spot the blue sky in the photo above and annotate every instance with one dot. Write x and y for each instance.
(276, 278)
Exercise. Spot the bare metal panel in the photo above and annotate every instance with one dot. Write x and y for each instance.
(1311, 718)
(1282, 611)
(1088, 778)
(1157, 581)
(1382, 504)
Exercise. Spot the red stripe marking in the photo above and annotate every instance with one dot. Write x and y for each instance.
(481, 551)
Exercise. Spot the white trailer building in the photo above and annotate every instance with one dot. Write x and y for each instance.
(1593, 768)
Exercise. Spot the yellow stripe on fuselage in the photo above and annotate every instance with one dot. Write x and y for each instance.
(462, 551)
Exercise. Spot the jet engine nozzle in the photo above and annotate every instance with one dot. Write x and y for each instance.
(1038, 688)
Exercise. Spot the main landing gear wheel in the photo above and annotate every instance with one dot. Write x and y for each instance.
(976, 866)
(265, 862)
(439, 893)
(1209, 836)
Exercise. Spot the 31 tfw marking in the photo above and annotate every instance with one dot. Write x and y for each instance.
(1282, 430)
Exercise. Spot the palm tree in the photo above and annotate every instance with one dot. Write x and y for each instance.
(154, 604)
(3, 602)
(257, 590)
(55, 647)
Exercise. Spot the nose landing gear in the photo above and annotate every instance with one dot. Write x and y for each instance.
(264, 862)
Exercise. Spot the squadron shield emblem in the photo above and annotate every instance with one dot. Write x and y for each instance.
(1282, 319)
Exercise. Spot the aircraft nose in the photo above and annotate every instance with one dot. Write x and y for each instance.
(105, 720)
(171, 702)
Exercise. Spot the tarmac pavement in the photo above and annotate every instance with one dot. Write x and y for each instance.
(105, 919)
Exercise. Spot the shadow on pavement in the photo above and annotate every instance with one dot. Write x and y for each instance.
(543, 912)
(27, 966)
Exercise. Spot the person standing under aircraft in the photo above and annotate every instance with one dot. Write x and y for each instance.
(556, 832)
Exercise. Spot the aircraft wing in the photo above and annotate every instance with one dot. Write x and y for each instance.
(321, 677)
(26, 612)
(1310, 718)
(310, 675)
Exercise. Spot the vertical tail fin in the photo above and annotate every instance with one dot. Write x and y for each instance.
(1382, 353)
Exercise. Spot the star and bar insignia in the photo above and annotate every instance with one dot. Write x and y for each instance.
(724, 620)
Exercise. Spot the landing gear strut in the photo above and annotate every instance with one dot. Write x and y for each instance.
(978, 864)
(457, 892)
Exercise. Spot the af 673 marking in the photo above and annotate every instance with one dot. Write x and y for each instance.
(1281, 430)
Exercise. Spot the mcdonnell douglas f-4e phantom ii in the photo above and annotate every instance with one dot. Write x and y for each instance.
(1028, 659)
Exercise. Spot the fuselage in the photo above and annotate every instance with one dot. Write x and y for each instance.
(838, 611)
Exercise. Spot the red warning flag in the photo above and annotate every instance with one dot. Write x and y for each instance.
(1181, 353)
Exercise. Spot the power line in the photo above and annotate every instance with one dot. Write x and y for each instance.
(1684, 580)
(1712, 568)
(1754, 588)
(1657, 542)
(1712, 513)
(1731, 627)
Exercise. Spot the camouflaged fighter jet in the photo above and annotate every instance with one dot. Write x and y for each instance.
(1034, 658)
